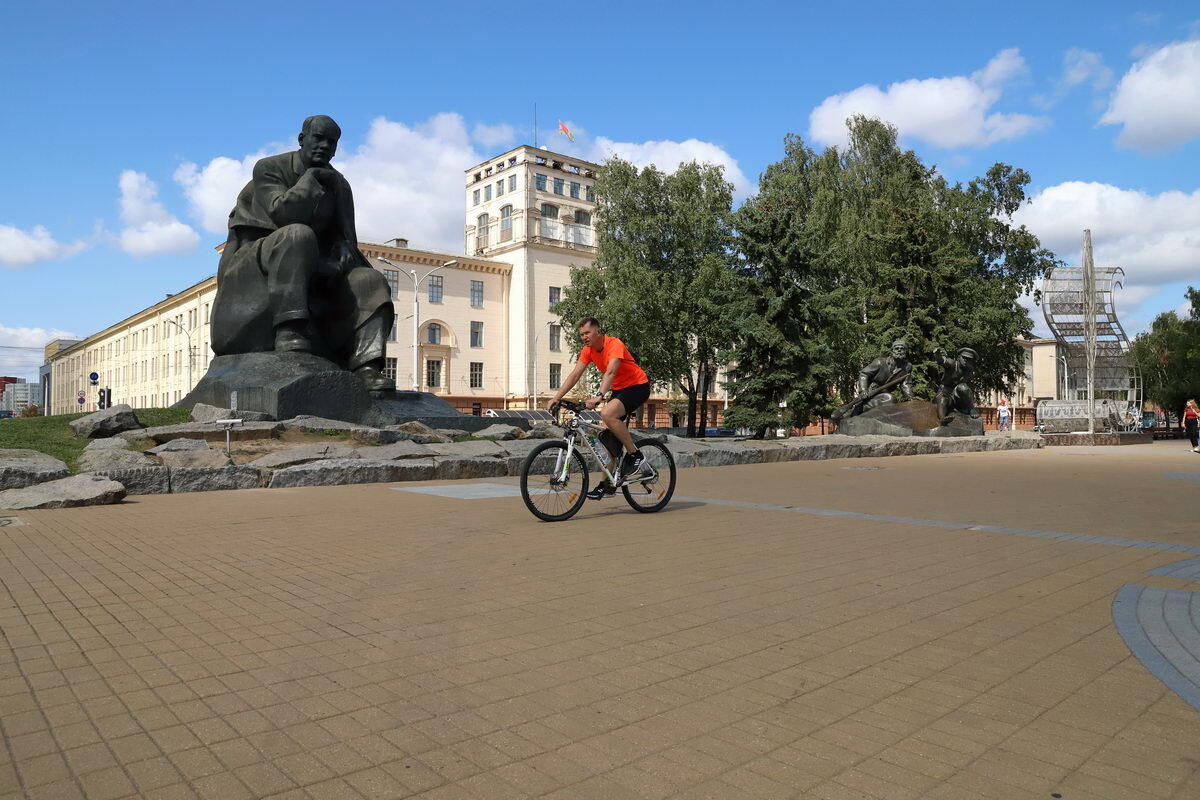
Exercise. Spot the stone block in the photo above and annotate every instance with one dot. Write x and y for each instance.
(205, 431)
(107, 422)
(500, 432)
(447, 468)
(186, 459)
(309, 452)
(212, 479)
(69, 492)
(110, 443)
(203, 412)
(177, 445)
(341, 471)
(394, 451)
(466, 449)
(21, 468)
(109, 459)
(140, 480)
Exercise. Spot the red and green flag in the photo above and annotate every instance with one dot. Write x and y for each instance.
(565, 131)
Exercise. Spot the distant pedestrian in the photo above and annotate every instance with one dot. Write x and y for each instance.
(1003, 411)
(1191, 419)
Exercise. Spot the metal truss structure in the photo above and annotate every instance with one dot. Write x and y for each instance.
(1067, 311)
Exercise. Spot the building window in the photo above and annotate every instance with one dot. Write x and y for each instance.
(476, 294)
(475, 197)
(499, 187)
(477, 409)
(555, 376)
(555, 296)
(556, 337)
(549, 211)
(539, 159)
(512, 162)
(392, 332)
(476, 374)
(476, 334)
(539, 182)
(512, 183)
(433, 333)
(575, 189)
(436, 284)
(506, 224)
(558, 185)
(487, 192)
(583, 218)
(393, 281)
(481, 231)
(389, 368)
(433, 373)
(589, 195)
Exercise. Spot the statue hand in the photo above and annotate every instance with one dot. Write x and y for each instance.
(344, 256)
(323, 175)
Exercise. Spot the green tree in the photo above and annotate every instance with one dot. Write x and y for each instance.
(1168, 356)
(854, 248)
(662, 271)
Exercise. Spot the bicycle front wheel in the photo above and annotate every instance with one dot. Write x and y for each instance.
(652, 488)
(553, 490)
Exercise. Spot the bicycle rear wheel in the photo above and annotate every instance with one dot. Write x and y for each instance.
(652, 489)
(549, 493)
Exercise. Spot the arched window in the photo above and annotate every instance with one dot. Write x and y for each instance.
(433, 333)
(549, 211)
(506, 223)
(481, 231)
(583, 218)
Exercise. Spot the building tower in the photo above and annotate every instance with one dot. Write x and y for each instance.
(532, 208)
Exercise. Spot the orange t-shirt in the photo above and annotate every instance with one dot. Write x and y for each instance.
(628, 374)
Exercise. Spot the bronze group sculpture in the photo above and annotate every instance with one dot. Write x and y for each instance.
(954, 395)
(881, 381)
(291, 278)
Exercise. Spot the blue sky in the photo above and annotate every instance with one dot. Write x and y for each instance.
(130, 126)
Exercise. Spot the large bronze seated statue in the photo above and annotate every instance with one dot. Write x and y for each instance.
(291, 277)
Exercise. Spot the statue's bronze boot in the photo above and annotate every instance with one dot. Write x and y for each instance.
(291, 339)
(373, 379)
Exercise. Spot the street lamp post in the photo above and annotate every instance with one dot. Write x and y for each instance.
(533, 404)
(1066, 376)
(189, 358)
(416, 315)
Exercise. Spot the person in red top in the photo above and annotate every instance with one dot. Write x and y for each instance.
(622, 382)
(1191, 422)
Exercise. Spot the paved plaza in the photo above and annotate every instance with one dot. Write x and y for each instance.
(987, 625)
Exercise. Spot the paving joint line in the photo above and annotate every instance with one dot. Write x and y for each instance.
(950, 525)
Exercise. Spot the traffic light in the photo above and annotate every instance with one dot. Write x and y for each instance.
(100, 400)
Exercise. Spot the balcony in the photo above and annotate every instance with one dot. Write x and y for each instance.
(530, 228)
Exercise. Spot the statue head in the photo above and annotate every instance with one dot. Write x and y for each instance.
(966, 353)
(899, 349)
(318, 140)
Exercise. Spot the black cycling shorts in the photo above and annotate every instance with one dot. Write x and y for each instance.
(632, 397)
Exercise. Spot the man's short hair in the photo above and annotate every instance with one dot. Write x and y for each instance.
(592, 321)
(309, 121)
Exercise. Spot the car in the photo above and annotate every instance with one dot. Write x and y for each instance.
(720, 431)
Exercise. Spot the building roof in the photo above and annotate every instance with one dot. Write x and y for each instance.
(542, 151)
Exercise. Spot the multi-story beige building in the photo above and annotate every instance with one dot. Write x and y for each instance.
(487, 336)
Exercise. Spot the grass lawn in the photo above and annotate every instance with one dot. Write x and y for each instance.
(54, 437)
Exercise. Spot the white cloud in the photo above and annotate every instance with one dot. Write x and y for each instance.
(149, 229)
(1157, 102)
(25, 363)
(945, 112)
(20, 248)
(1155, 238)
(212, 190)
(667, 155)
(1079, 66)
(493, 135)
(408, 179)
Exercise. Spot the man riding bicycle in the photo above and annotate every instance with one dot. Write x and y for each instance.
(623, 384)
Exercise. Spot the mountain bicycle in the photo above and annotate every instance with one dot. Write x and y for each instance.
(555, 478)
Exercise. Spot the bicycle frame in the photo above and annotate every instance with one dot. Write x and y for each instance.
(577, 430)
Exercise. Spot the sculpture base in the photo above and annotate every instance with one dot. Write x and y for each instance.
(913, 418)
(287, 385)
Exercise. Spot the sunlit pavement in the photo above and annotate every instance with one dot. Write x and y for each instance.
(919, 627)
